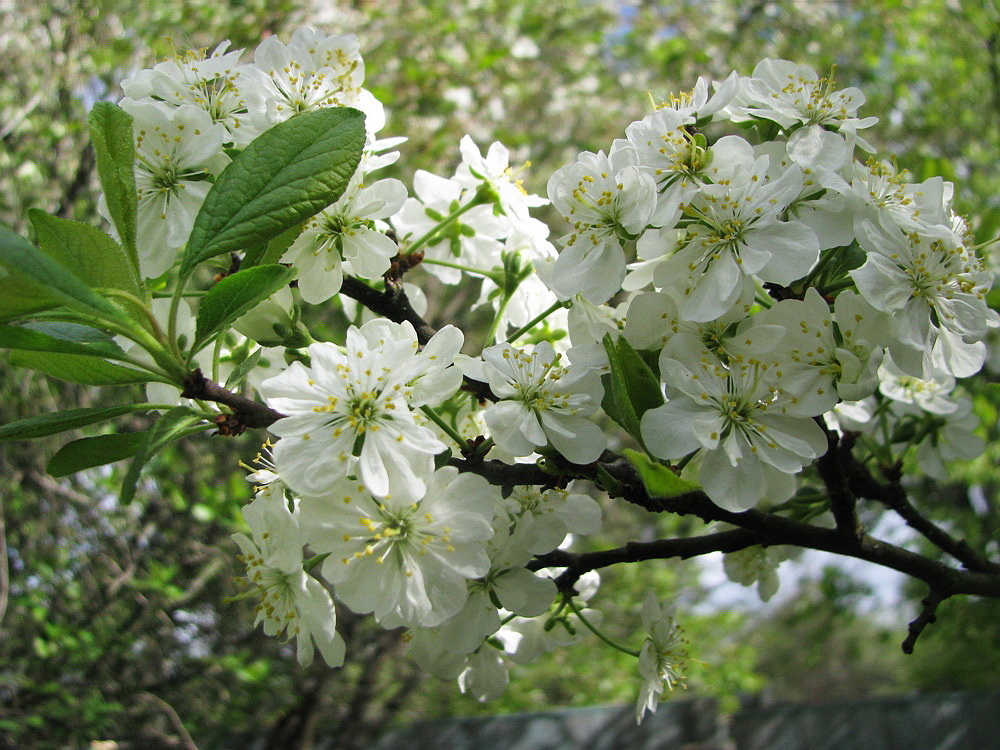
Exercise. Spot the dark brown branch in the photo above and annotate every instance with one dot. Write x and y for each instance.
(928, 614)
(843, 502)
(893, 496)
(246, 412)
(392, 304)
(768, 528)
(661, 549)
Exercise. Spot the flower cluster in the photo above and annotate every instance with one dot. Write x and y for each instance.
(734, 302)
(786, 274)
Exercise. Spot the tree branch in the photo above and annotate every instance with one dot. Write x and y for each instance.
(928, 614)
(766, 528)
(661, 549)
(392, 304)
(893, 496)
(246, 411)
(843, 502)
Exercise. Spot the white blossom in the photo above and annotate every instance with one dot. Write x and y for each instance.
(663, 657)
(606, 198)
(408, 562)
(541, 402)
(355, 403)
(291, 601)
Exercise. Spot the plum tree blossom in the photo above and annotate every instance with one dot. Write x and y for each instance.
(407, 562)
(291, 601)
(663, 658)
(177, 150)
(757, 330)
(542, 402)
(350, 411)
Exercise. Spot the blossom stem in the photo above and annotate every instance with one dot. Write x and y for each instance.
(477, 200)
(837, 286)
(478, 271)
(495, 325)
(436, 418)
(595, 631)
(537, 319)
(216, 353)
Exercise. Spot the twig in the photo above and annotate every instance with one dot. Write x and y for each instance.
(392, 304)
(843, 503)
(661, 549)
(928, 614)
(175, 720)
(893, 496)
(247, 412)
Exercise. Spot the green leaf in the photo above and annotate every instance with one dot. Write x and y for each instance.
(244, 368)
(236, 295)
(79, 368)
(88, 452)
(660, 481)
(273, 250)
(285, 176)
(66, 338)
(111, 133)
(21, 257)
(630, 388)
(20, 297)
(86, 251)
(61, 421)
(172, 425)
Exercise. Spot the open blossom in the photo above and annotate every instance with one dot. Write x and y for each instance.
(205, 82)
(291, 601)
(474, 239)
(311, 72)
(739, 234)
(341, 239)
(548, 515)
(832, 357)
(541, 401)
(607, 198)
(177, 151)
(663, 657)
(789, 93)
(494, 170)
(756, 565)
(696, 104)
(928, 286)
(408, 562)
(350, 410)
(734, 417)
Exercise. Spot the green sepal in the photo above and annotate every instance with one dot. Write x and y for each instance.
(660, 481)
